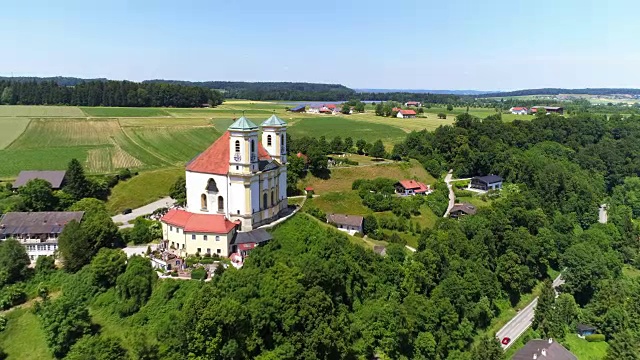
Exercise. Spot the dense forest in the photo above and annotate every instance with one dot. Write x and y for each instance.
(106, 93)
(60, 80)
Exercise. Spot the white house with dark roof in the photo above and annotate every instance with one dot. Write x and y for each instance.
(236, 185)
(38, 232)
(348, 223)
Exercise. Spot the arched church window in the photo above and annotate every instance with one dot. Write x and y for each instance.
(273, 194)
(220, 203)
(203, 202)
(211, 186)
(282, 138)
(253, 146)
(268, 140)
(264, 201)
(237, 146)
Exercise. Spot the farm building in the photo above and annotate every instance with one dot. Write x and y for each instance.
(519, 110)
(236, 185)
(412, 187)
(413, 103)
(298, 109)
(38, 232)
(486, 183)
(548, 109)
(347, 223)
(55, 178)
(406, 114)
(543, 349)
(462, 209)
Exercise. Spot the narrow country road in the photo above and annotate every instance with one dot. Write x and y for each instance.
(603, 217)
(523, 319)
(143, 210)
(452, 195)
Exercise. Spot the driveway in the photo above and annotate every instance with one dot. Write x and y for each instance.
(523, 319)
(143, 210)
(452, 195)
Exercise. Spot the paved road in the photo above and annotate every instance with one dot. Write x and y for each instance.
(452, 195)
(603, 217)
(523, 319)
(144, 210)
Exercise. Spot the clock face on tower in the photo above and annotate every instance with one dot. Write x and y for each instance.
(236, 157)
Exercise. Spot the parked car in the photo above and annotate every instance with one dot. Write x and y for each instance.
(126, 211)
(505, 340)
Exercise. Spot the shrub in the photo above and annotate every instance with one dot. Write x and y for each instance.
(12, 295)
(173, 274)
(317, 213)
(199, 274)
(3, 322)
(442, 116)
(595, 338)
(358, 234)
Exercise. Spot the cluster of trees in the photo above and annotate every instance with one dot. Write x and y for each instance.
(379, 195)
(106, 93)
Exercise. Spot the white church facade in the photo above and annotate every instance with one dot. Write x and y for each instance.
(236, 185)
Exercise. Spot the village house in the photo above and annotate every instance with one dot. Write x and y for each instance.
(298, 109)
(519, 110)
(412, 187)
(548, 109)
(462, 209)
(543, 349)
(236, 185)
(38, 232)
(348, 223)
(413, 103)
(486, 183)
(55, 178)
(406, 114)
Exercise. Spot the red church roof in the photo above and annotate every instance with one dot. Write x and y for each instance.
(215, 160)
(417, 187)
(205, 223)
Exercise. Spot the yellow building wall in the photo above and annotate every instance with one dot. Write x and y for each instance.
(188, 243)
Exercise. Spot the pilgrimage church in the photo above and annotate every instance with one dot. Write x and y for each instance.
(236, 185)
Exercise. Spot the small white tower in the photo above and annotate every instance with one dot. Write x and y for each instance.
(274, 138)
(243, 147)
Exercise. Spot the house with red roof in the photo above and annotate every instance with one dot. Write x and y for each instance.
(413, 103)
(412, 187)
(406, 114)
(235, 186)
(518, 110)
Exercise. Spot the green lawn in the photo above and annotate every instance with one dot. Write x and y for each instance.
(142, 189)
(344, 126)
(630, 272)
(583, 349)
(11, 127)
(341, 202)
(23, 339)
(123, 112)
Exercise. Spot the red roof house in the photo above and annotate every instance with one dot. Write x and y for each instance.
(412, 187)
(406, 114)
(200, 223)
(330, 106)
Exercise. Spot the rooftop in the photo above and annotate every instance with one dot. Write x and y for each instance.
(55, 178)
(275, 121)
(201, 223)
(341, 219)
(543, 349)
(243, 124)
(465, 208)
(414, 185)
(255, 236)
(489, 179)
(50, 222)
(407, 112)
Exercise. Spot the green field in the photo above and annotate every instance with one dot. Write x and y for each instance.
(123, 112)
(142, 189)
(107, 139)
(11, 127)
(585, 350)
(24, 332)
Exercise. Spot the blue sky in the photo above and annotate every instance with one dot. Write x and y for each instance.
(445, 44)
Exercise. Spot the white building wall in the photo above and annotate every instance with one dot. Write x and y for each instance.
(400, 115)
(196, 186)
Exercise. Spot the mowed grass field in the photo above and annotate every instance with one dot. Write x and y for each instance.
(24, 332)
(142, 189)
(11, 127)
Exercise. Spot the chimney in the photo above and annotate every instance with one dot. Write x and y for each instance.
(544, 352)
(550, 340)
(535, 356)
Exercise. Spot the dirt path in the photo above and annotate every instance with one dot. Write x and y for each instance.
(452, 195)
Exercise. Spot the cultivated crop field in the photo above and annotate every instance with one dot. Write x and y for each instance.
(106, 139)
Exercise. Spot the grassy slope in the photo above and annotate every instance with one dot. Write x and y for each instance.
(24, 332)
(142, 189)
(583, 349)
(15, 160)
(11, 127)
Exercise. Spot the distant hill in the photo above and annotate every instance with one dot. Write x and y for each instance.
(419, 91)
(558, 91)
(244, 85)
(60, 80)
